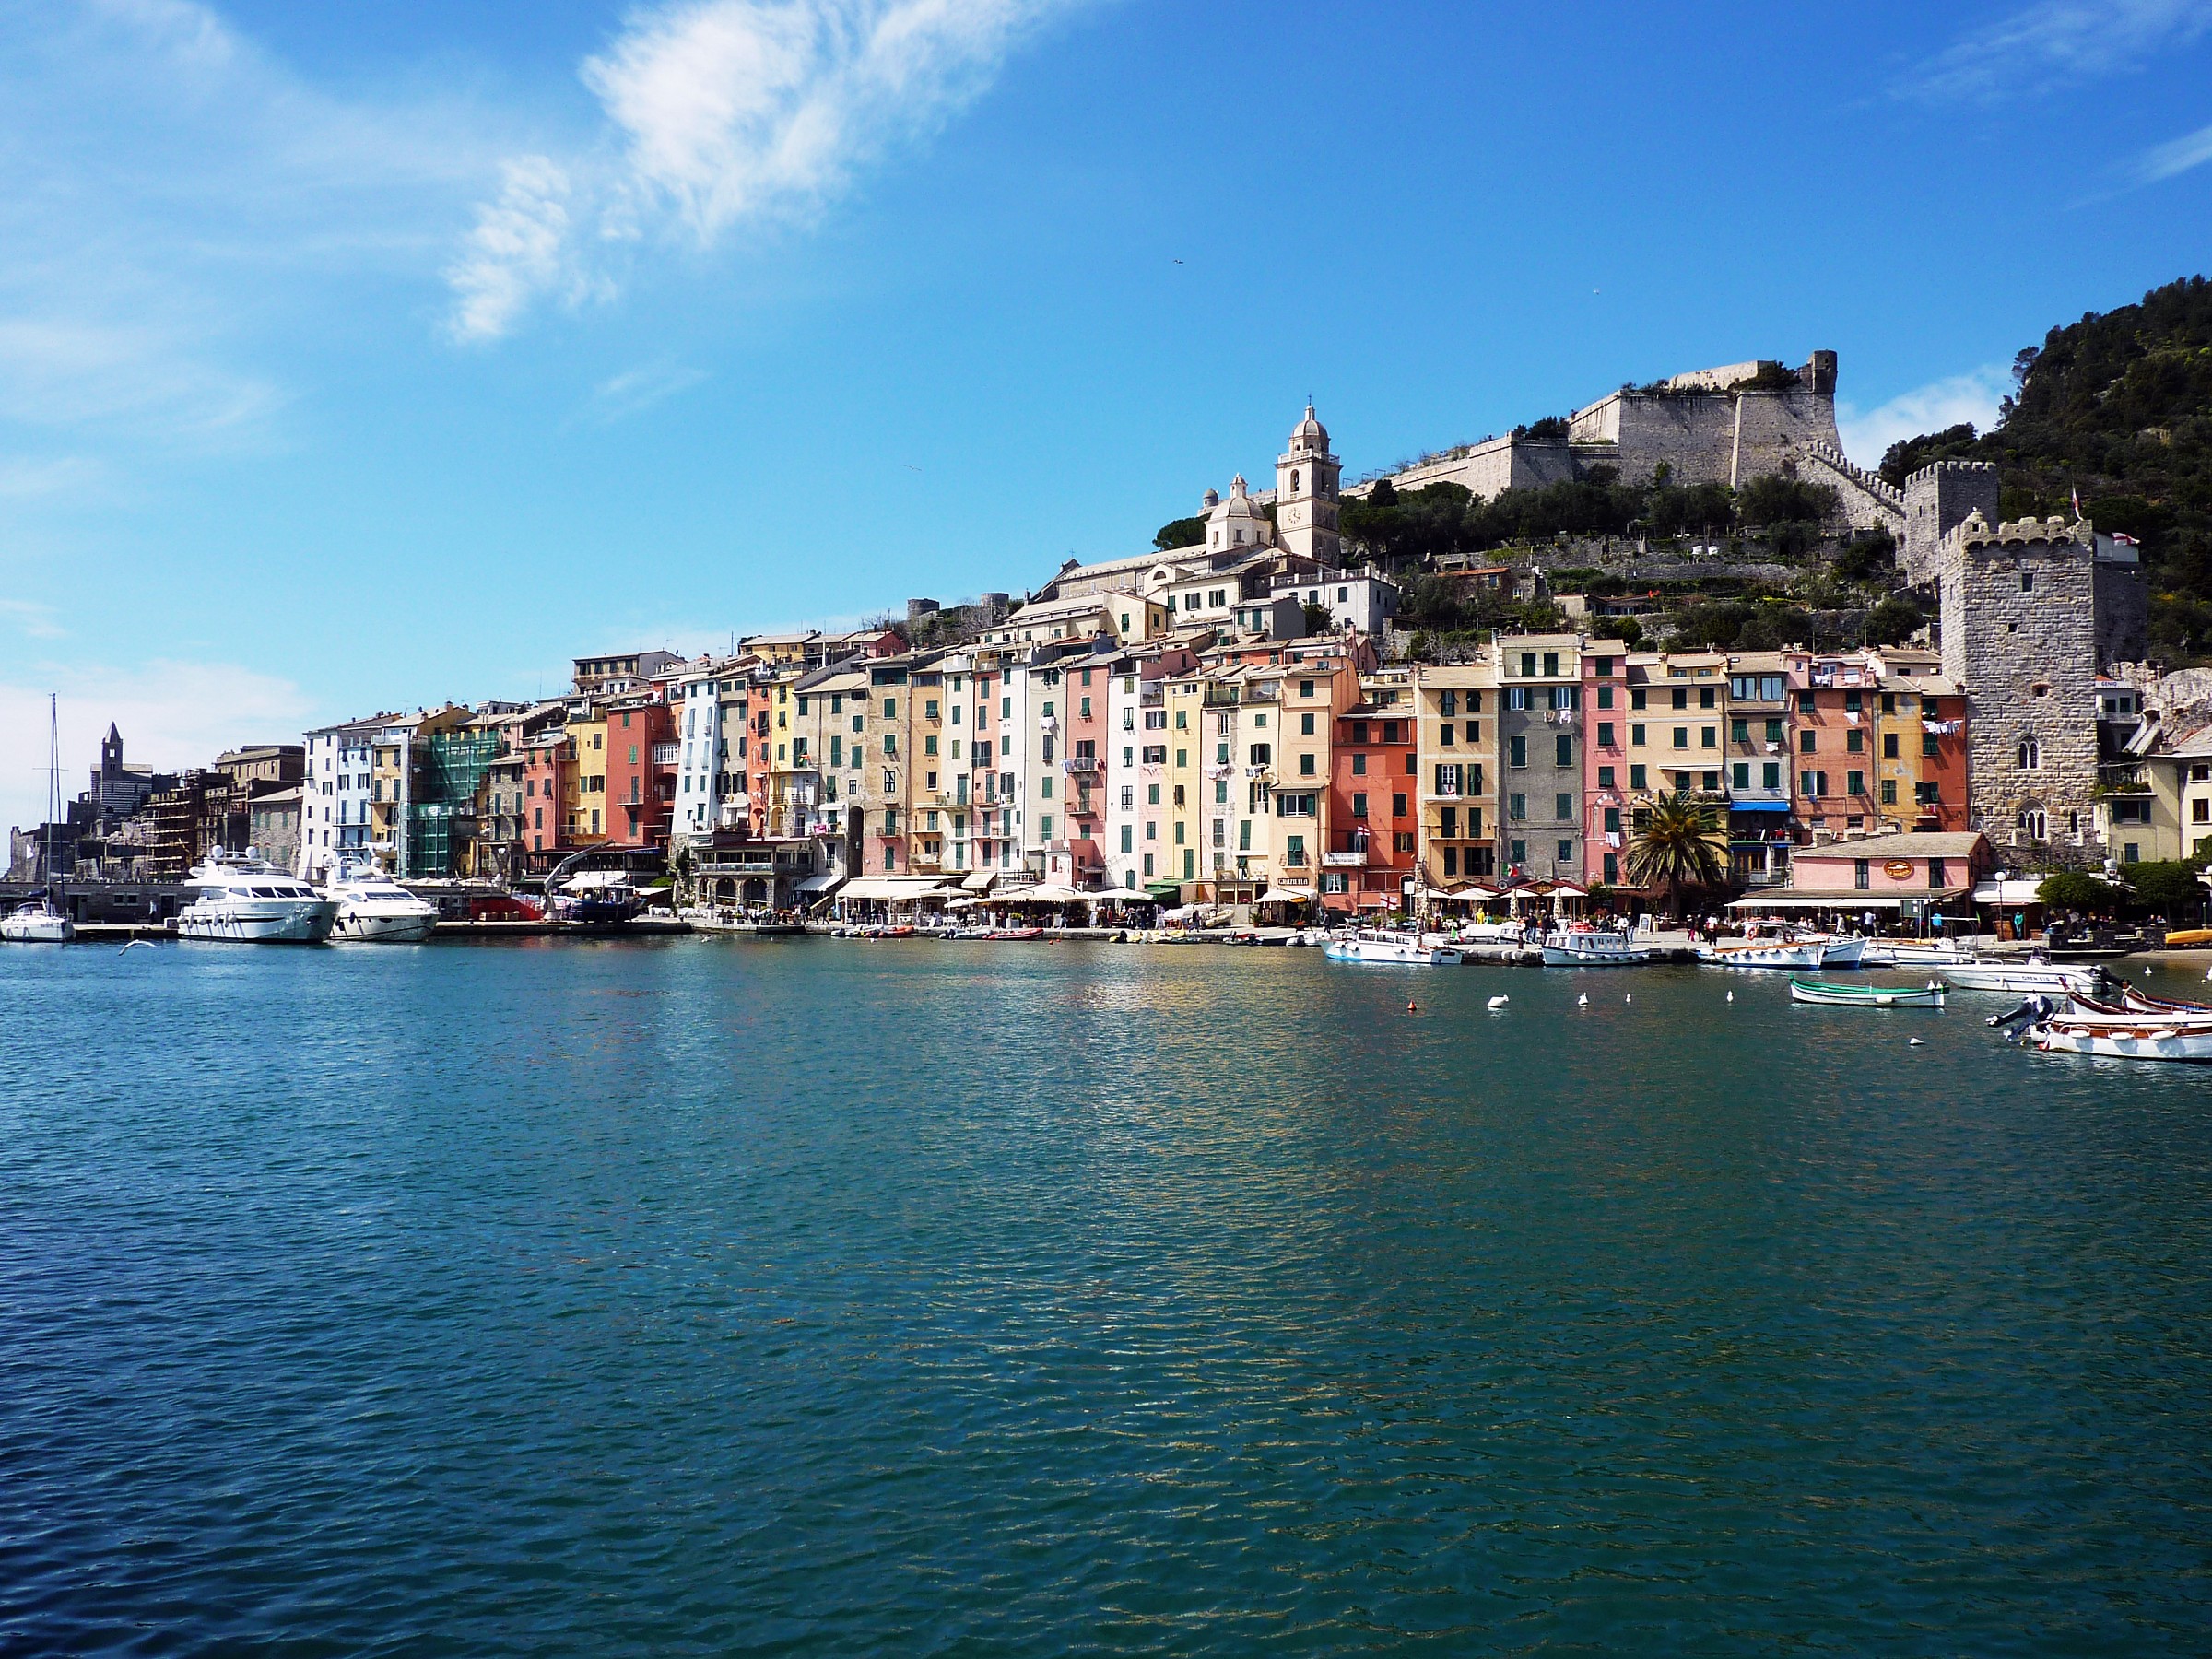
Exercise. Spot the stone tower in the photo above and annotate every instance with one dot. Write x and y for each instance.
(2019, 632)
(1937, 500)
(1305, 493)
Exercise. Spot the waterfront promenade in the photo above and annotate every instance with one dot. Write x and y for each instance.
(694, 1295)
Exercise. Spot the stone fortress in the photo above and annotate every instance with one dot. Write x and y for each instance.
(2029, 612)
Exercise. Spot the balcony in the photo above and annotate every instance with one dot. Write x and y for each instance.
(1344, 861)
(1080, 764)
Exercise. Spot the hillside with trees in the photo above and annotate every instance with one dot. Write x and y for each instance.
(2117, 407)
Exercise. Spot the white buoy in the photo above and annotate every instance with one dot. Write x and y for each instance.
(1499, 1002)
(1630, 998)
(1583, 1001)
(1915, 1042)
(1730, 996)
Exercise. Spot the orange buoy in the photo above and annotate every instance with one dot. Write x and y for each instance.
(1411, 1008)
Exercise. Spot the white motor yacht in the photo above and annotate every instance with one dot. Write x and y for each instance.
(240, 898)
(1371, 944)
(375, 910)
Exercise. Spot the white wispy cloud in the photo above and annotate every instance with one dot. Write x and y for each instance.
(22, 480)
(28, 618)
(172, 199)
(2060, 41)
(171, 714)
(2168, 160)
(722, 113)
(634, 390)
(1972, 396)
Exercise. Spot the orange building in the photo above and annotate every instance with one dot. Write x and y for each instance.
(1373, 816)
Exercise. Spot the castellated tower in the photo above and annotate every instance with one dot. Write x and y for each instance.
(2019, 632)
(1305, 493)
(1937, 500)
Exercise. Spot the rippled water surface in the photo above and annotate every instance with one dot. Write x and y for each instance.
(818, 1297)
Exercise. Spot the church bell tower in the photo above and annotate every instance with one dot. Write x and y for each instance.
(1305, 493)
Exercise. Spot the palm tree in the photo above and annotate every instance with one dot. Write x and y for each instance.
(1677, 845)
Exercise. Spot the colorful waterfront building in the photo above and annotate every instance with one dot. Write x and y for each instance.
(1541, 755)
(1371, 853)
(1605, 760)
(1761, 828)
(1455, 713)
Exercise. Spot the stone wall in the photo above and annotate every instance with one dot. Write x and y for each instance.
(1865, 500)
(2019, 633)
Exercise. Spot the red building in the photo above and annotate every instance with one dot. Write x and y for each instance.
(548, 798)
(1079, 857)
(1373, 815)
(642, 762)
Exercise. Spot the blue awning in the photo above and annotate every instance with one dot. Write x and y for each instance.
(1759, 805)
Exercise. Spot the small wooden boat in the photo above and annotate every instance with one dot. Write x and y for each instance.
(1766, 953)
(2139, 1039)
(2128, 1014)
(2142, 1002)
(1929, 996)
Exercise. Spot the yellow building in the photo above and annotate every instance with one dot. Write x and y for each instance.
(1455, 709)
(587, 818)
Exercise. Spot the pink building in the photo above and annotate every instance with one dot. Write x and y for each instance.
(1884, 873)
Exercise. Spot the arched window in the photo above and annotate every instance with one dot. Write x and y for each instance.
(1294, 480)
(2032, 757)
(2032, 823)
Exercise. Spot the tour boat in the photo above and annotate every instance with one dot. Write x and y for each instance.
(1929, 996)
(2124, 1039)
(1765, 953)
(1588, 947)
(1369, 944)
(240, 898)
(2022, 977)
(375, 910)
(42, 921)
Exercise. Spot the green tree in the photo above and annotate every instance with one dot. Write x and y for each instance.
(1179, 533)
(2073, 890)
(1678, 843)
(1320, 619)
(1893, 621)
(2168, 885)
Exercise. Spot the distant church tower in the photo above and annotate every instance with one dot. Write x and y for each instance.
(1305, 493)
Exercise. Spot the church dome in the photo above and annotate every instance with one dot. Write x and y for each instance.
(1310, 434)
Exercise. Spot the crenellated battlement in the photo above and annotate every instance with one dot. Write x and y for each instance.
(1928, 476)
(2053, 534)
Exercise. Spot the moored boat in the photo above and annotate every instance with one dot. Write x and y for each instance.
(2022, 977)
(2143, 1002)
(38, 922)
(2137, 1039)
(1843, 953)
(1371, 944)
(241, 899)
(375, 910)
(1765, 953)
(1929, 996)
(1589, 948)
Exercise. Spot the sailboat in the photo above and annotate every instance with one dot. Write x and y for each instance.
(43, 920)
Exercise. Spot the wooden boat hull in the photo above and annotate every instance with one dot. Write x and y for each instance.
(1867, 996)
(2118, 1040)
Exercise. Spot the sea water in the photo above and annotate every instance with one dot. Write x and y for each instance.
(819, 1297)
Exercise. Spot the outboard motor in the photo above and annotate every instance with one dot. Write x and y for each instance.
(2034, 1011)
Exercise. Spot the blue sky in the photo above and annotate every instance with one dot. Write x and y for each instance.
(356, 357)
